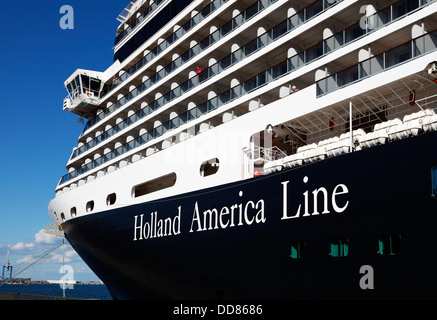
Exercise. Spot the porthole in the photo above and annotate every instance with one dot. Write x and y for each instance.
(73, 212)
(90, 206)
(62, 217)
(209, 167)
(110, 200)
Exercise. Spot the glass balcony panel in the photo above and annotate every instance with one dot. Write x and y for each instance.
(314, 52)
(251, 11)
(140, 141)
(263, 40)
(296, 61)
(236, 92)
(213, 70)
(430, 41)
(314, 9)
(398, 54)
(192, 114)
(250, 47)
(184, 86)
(280, 29)
(183, 118)
(250, 84)
(261, 79)
(225, 62)
(372, 66)
(262, 4)
(213, 103)
(176, 122)
(279, 70)
(353, 33)
(238, 21)
(331, 83)
(321, 87)
(202, 109)
(225, 97)
(347, 76)
(403, 7)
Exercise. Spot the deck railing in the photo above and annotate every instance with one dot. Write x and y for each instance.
(260, 42)
(386, 60)
(424, 45)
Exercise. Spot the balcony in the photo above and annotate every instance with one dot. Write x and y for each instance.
(384, 61)
(260, 42)
(424, 44)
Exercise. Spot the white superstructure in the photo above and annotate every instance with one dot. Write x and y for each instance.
(228, 90)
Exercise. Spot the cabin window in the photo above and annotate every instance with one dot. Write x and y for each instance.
(389, 245)
(434, 181)
(73, 212)
(154, 185)
(339, 247)
(297, 250)
(85, 82)
(63, 217)
(110, 200)
(90, 206)
(94, 85)
(209, 167)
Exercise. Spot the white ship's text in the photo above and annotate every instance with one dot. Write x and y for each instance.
(334, 202)
(244, 212)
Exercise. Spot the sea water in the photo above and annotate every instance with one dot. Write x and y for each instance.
(79, 291)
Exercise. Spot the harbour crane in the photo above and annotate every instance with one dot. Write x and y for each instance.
(7, 268)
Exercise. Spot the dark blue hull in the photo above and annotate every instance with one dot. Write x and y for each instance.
(296, 234)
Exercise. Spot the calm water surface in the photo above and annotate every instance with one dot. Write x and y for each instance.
(81, 291)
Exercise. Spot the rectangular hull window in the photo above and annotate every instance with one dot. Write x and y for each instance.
(389, 245)
(154, 185)
(297, 250)
(339, 247)
(434, 181)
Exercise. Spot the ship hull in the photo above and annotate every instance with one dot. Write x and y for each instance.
(234, 241)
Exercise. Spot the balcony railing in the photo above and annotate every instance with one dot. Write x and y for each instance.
(423, 45)
(188, 55)
(226, 97)
(386, 60)
(356, 31)
(141, 18)
(265, 39)
(202, 15)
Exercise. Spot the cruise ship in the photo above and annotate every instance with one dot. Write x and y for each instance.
(270, 149)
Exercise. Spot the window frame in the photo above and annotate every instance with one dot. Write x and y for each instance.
(394, 242)
(111, 199)
(342, 247)
(90, 206)
(434, 181)
(297, 250)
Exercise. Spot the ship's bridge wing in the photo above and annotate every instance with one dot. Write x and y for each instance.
(84, 89)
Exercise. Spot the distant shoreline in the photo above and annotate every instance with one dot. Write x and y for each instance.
(53, 282)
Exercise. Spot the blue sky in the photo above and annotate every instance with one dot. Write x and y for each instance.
(36, 57)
